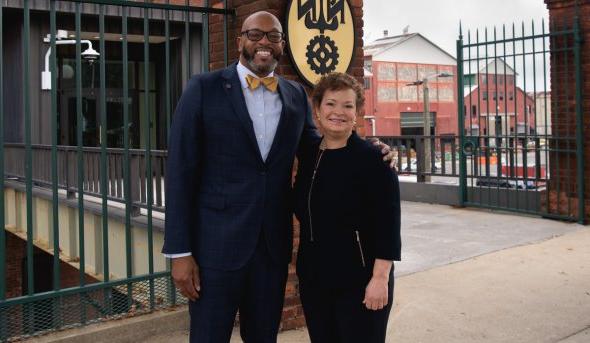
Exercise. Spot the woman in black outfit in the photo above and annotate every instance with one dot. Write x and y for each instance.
(348, 206)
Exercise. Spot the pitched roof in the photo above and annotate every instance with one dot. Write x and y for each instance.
(381, 45)
(493, 65)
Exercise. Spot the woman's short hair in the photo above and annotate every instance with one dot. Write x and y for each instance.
(336, 82)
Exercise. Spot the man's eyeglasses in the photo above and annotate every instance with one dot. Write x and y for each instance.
(256, 35)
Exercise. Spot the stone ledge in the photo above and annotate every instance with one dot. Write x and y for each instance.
(135, 329)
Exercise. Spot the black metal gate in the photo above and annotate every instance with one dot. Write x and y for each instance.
(522, 141)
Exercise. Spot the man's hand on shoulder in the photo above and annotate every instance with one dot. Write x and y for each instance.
(185, 274)
(389, 155)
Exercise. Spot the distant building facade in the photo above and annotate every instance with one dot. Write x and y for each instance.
(393, 107)
(494, 104)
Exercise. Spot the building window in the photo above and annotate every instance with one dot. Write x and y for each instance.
(501, 95)
(473, 110)
(367, 82)
(485, 95)
(495, 95)
(510, 95)
(369, 65)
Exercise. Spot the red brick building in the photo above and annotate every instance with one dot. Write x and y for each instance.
(395, 108)
(494, 104)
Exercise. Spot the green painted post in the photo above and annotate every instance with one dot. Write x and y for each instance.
(187, 35)
(126, 172)
(462, 162)
(225, 45)
(167, 50)
(28, 310)
(205, 40)
(148, 156)
(2, 219)
(579, 123)
(547, 143)
(28, 151)
(103, 162)
(3, 331)
(80, 160)
(57, 317)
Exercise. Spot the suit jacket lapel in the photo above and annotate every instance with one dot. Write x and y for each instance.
(286, 99)
(233, 90)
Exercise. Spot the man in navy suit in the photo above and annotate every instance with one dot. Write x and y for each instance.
(233, 140)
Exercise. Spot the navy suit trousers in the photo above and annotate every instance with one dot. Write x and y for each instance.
(257, 290)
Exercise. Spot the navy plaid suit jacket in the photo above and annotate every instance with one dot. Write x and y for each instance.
(221, 197)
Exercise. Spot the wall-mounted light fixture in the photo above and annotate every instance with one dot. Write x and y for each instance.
(89, 54)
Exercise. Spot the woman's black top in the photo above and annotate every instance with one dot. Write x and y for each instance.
(349, 214)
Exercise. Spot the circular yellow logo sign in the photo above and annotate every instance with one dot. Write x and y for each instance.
(321, 37)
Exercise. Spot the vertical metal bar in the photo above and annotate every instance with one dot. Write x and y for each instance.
(556, 109)
(127, 179)
(515, 99)
(579, 123)
(505, 139)
(475, 159)
(205, 39)
(80, 157)
(187, 36)
(103, 162)
(2, 219)
(496, 106)
(470, 133)
(167, 48)
(526, 122)
(148, 146)
(546, 179)
(568, 137)
(225, 45)
(534, 106)
(57, 318)
(28, 149)
(487, 135)
(463, 164)
(171, 287)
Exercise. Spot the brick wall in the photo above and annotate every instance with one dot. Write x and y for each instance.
(563, 192)
(16, 251)
(292, 312)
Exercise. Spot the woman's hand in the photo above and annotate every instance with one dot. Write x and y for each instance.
(377, 292)
(376, 296)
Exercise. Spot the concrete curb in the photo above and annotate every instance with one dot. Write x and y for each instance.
(135, 329)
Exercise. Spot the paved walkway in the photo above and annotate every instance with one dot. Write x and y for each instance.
(472, 275)
(478, 276)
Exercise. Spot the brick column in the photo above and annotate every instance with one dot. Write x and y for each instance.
(292, 312)
(563, 104)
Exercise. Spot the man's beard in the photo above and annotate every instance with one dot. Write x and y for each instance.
(259, 69)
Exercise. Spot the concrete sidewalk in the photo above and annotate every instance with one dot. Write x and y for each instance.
(479, 276)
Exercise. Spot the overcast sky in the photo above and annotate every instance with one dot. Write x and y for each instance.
(438, 20)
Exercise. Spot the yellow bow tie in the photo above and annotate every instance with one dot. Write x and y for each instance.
(270, 82)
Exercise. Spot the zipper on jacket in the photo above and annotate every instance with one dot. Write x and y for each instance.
(315, 169)
(358, 241)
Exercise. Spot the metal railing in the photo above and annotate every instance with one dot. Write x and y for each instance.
(130, 176)
(67, 173)
(483, 169)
